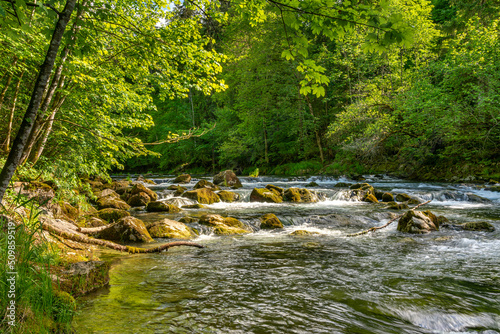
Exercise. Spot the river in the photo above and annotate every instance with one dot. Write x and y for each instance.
(272, 282)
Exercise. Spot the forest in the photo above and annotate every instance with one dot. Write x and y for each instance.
(408, 87)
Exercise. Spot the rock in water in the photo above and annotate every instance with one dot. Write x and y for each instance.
(265, 195)
(126, 229)
(228, 196)
(183, 178)
(206, 184)
(300, 195)
(270, 221)
(417, 222)
(202, 196)
(158, 206)
(227, 178)
(168, 228)
(224, 225)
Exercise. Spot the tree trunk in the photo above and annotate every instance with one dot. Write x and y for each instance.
(36, 99)
(316, 132)
(11, 116)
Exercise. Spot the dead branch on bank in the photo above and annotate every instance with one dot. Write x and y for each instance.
(372, 229)
(112, 245)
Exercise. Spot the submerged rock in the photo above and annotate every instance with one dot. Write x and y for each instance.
(126, 229)
(183, 178)
(227, 178)
(417, 222)
(158, 206)
(270, 221)
(402, 197)
(224, 225)
(342, 185)
(478, 226)
(265, 195)
(168, 228)
(303, 233)
(85, 277)
(202, 196)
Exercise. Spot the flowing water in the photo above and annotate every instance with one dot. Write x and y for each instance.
(272, 282)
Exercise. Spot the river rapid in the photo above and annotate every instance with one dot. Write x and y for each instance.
(272, 282)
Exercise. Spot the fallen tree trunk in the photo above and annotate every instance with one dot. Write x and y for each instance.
(372, 229)
(112, 245)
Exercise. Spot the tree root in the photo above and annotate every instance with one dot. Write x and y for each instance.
(372, 229)
(112, 245)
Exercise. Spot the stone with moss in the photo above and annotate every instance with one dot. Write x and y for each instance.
(127, 229)
(413, 201)
(224, 225)
(112, 202)
(68, 210)
(172, 229)
(276, 189)
(159, 206)
(370, 198)
(477, 199)
(84, 277)
(402, 197)
(478, 226)
(312, 184)
(140, 188)
(299, 195)
(387, 197)
(183, 178)
(194, 206)
(303, 233)
(202, 196)
(228, 196)
(397, 206)
(111, 215)
(206, 184)
(270, 221)
(108, 192)
(342, 185)
(265, 195)
(140, 199)
(188, 220)
(95, 222)
(494, 188)
(416, 222)
(227, 178)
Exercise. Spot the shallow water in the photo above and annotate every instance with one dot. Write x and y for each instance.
(272, 282)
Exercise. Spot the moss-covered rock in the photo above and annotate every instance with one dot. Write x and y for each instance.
(402, 197)
(477, 199)
(413, 201)
(416, 222)
(270, 221)
(442, 220)
(69, 211)
(193, 206)
(228, 196)
(494, 188)
(478, 226)
(85, 277)
(387, 197)
(95, 222)
(158, 206)
(303, 233)
(108, 192)
(342, 185)
(224, 225)
(120, 184)
(300, 195)
(112, 202)
(279, 191)
(112, 215)
(206, 184)
(265, 195)
(183, 178)
(370, 198)
(126, 229)
(188, 220)
(140, 188)
(167, 228)
(202, 196)
(140, 199)
(312, 184)
(397, 206)
(227, 178)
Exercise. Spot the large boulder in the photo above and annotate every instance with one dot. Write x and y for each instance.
(183, 178)
(111, 215)
(206, 184)
(223, 225)
(265, 195)
(387, 197)
(300, 195)
(478, 226)
(270, 221)
(402, 197)
(202, 196)
(360, 191)
(227, 178)
(112, 202)
(228, 196)
(477, 199)
(167, 228)
(370, 198)
(85, 277)
(280, 191)
(140, 199)
(140, 188)
(126, 229)
(158, 206)
(418, 222)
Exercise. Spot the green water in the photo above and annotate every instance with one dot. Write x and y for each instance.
(271, 282)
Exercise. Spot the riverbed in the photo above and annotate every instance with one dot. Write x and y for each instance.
(273, 282)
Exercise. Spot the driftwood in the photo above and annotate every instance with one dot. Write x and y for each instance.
(90, 230)
(372, 229)
(112, 245)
